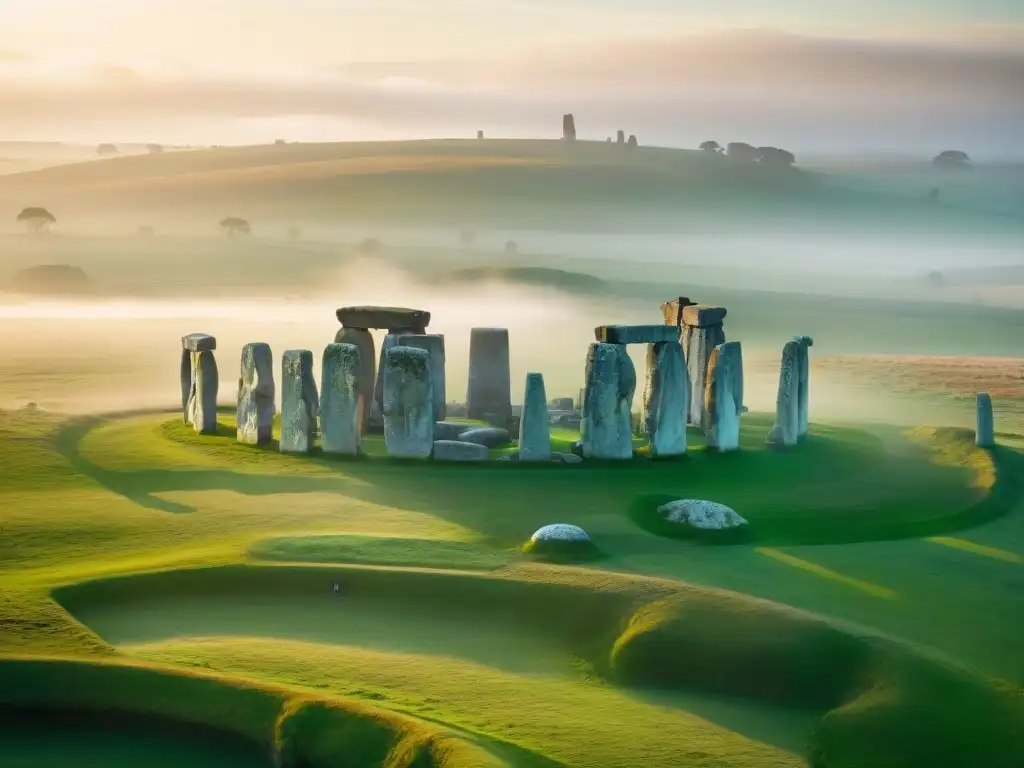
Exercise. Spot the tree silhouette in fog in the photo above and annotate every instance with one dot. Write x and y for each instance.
(233, 226)
(952, 158)
(711, 146)
(37, 219)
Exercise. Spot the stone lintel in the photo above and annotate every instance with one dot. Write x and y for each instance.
(636, 334)
(701, 316)
(384, 317)
(199, 342)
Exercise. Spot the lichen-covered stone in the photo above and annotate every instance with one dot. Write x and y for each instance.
(803, 384)
(408, 403)
(606, 425)
(433, 344)
(534, 427)
(199, 342)
(341, 400)
(786, 431)
(723, 397)
(384, 317)
(202, 402)
(376, 417)
(666, 399)
(455, 450)
(254, 417)
(698, 344)
(636, 334)
(489, 393)
(984, 435)
(705, 515)
(492, 437)
(300, 402)
(363, 340)
(560, 532)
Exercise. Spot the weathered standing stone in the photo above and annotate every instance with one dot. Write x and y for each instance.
(300, 403)
(376, 417)
(984, 435)
(723, 397)
(568, 128)
(620, 136)
(186, 382)
(433, 344)
(408, 403)
(786, 431)
(702, 332)
(606, 425)
(362, 339)
(341, 400)
(202, 402)
(666, 398)
(254, 417)
(803, 384)
(489, 396)
(534, 429)
(190, 345)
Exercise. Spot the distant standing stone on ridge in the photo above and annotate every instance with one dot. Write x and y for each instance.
(341, 400)
(786, 431)
(702, 332)
(254, 417)
(568, 128)
(299, 402)
(632, 140)
(620, 136)
(984, 435)
(724, 397)
(433, 345)
(803, 384)
(408, 403)
(606, 424)
(363, 340)
(488, 396)
(666, 398)
(534, 429)
(200, 382)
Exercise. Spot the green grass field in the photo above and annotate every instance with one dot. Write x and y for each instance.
(181, 589)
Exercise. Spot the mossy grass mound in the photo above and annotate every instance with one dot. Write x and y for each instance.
(562, 551)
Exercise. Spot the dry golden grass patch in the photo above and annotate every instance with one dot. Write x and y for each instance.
(1001, 377)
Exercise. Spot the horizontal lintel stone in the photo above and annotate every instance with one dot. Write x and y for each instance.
(383, 317)
(199, 342)
(636, 334)
(700, 316)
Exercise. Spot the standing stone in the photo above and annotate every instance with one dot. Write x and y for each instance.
(984, 435)
(299, 402)
(606, 424)
(620, 136)
(191, 345)
(254, 417)
(341, 399)
(803, 383)
(489, 396)
(568, 128)
(534, 429)
(186, 382)
(666, 398)
(377, 407)
(723, 397)
(702, 332)
(632, 141)
(433, 345)
(363, 340)
(786, 431)
(202, 405)
(408, 403)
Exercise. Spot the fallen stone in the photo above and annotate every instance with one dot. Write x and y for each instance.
(701, 316)
(606, 425)
(489, 393)
(636, 334)
(341, 400)
(408, 403)
(455, 450)
(723, 397)
(786, 431)
(384, 317)
(560, 532)
(363, 340)
(492, 437)
(705, 515)
(433, 344)
(666, 399)
(673, 310)
(300, 403)
(450, 430)
(984, 435)
(199, 342)
(534, 428)
(202, 401)
(254, 416)
(803, 384)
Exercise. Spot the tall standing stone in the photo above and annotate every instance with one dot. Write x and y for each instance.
(433, 345)
(723, 397)
(408, 403)
(363, 340)
(534, 428)
(620, 136)
(803, 383)
(606, 426)
(300, 403)
(984, 435)
(377, 407)
(568, 128)
(488, 396)
(341, 400)
(254, 417)
(786, 431)
(203, 382)
(666, 398)
(702, 332)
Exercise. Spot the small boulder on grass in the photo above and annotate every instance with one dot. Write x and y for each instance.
(700, 514)
(561, 543)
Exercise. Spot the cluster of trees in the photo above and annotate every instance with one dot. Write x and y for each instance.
(952, 159)
(747, 153)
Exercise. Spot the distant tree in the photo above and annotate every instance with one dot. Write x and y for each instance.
(51, 279)
(371, 246)
(742, 152)
(511, 247)
(608, 140)
(631, 142)
(773, 157)
(294, 233)
(568, 127)
(106, 150)
(936, 278)
(711, 146)
(279, 142)
(147, 232)
(154, 149)
(479, 134)
(37, 219)
(232, 226)
(952, 158)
